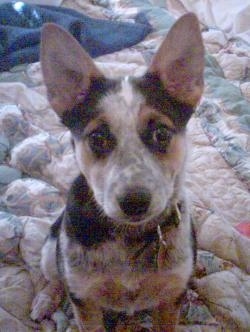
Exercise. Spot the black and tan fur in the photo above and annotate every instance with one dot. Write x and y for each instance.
(124, 241)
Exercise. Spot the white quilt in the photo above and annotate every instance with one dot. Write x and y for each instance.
(38, 161)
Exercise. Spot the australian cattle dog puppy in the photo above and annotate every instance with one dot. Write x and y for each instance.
(124, 242)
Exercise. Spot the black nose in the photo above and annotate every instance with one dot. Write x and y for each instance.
(135, 202)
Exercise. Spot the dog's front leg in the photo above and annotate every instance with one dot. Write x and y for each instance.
(166, 317)
(89, 318)
(47, 300)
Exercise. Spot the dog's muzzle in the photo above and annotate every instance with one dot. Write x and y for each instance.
(135, 203)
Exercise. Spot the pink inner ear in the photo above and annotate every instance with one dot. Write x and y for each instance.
(66, 67)
(179, 61)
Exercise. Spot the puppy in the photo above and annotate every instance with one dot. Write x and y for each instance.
(124, 242)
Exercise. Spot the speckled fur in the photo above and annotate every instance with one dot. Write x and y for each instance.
(109, 260)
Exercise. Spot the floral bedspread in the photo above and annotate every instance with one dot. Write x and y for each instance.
(37, 166)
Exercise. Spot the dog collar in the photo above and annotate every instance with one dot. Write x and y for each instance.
(173, 220)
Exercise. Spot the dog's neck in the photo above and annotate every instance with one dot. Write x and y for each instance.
(87, 224)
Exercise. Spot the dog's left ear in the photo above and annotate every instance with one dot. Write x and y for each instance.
(179, 62)
(66, 67)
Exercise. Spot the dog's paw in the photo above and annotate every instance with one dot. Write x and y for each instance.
(42, 307)
(47, 301)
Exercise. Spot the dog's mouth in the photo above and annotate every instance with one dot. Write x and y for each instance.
(139, 220)
(171, 215)
(147, 221)
(138, 209)
(154, 227)
(143, 220)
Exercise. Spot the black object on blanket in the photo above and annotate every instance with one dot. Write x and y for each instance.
(20, 28)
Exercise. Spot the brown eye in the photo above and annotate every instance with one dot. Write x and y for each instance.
(161, 135)
(101, 141)
(157, 136)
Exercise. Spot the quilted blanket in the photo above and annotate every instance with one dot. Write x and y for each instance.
(37, 167)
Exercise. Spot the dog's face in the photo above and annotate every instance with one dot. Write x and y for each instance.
(130, 153)
(129, 134)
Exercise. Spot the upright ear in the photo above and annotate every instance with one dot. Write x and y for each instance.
(66, 67)
(179, 62)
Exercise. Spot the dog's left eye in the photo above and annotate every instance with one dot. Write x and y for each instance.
(101, 141)
(160, 135)
(157, 136)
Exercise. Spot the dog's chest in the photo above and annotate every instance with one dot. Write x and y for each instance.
(117, 275)
(112, 256)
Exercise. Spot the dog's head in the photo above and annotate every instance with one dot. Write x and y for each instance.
(129, 134)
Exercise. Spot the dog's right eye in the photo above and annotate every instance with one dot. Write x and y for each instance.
(101, 141)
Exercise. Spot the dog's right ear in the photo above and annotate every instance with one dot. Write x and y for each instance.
(179, 62)
(66, 67)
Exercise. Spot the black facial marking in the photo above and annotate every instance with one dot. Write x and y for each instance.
(156, 96)
(84, 222)
(101, 141)
(86, 110)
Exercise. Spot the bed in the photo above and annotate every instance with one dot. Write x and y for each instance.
(37, 167)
